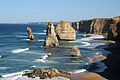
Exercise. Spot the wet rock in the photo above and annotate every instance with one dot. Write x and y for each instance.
(29, 34)
(51, 39)
(75, 52)
(43, 74)
(65, 31)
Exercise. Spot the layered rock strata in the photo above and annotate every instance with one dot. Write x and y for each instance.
(101, 26)
(65, 31)
(51, 39)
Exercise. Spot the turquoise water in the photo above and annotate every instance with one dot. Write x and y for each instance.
(18, 53)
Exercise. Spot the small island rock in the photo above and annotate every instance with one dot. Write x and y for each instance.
(75, 52)
(29, 33)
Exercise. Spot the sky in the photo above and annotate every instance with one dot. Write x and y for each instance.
(13, 11)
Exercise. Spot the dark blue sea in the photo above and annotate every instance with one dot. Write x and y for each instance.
(17, 53)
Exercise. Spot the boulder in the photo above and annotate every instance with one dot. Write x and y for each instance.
(65, 31)
(43, 74)
(29, 34)
(51, 39)
(75, 52)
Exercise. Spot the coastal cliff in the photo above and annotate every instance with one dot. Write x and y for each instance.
(101, 26)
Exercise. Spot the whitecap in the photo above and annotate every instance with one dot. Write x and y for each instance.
(45, 56)
(44, 30)
(26, 39)
(93, 37)
(34, 66)
(40, 60)
(20, 36)
(19, 50)
(85, 43)
(39, 33)
(0, 56)
(41, 40)
(3, 68)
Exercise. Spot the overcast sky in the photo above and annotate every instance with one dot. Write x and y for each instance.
(56, 10)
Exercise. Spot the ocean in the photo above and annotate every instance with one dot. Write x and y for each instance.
(17, 53)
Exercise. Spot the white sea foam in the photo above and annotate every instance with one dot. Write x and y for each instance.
(36, 78)
(3, 68)
(44, 30)
(19, 50)
(39, 33)
(12, 74)
(43, 59)
(34, 66)
(45, 56)
(93, 37)
(20, 36)
(85, 43)
(40, 60)
(0, 56)
(41, 40)
(80, 71)
(26, 39)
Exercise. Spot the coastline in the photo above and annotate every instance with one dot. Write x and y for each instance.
(94, 75)
(112, 62)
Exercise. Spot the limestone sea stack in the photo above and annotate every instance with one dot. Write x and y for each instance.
(29, 34)
(75, 52)
(65, 31)
(51, 39)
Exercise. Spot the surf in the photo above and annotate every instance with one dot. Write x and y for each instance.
(20, 50)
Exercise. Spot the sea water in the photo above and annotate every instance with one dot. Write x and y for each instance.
(17, 53)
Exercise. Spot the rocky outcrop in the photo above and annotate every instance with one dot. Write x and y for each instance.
(75, 52)
(65, 31)
(51, 39)
(43, 74)
(29, 33)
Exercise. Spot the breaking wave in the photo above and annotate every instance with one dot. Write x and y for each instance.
(19, 50)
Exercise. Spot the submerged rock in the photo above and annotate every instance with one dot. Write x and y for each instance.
(75, 52)
(65, 31)
(43, 74)
(51, 39)
(29, 33)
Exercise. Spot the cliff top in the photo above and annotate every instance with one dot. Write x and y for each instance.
(50, 23)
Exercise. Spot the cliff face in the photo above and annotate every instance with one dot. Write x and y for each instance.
(51, 39)
(84, 25)
(75, 25)
(65, 31)
(118, 34)
(104, 26)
